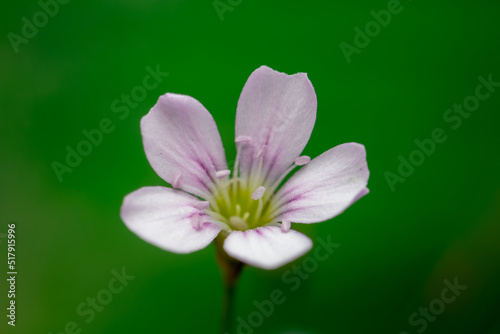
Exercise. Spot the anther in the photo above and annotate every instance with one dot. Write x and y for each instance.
(177, 180)
(258, 193)
(285, 226)
(202, 205)
(303, 160)
(220, 174)
(243, 139)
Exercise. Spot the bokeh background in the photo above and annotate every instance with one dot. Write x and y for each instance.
(396, 247)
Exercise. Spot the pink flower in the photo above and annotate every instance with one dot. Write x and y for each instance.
(274, 120)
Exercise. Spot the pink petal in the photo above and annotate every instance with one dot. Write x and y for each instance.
(168, 218)
(326, 186)
(267, 247)
(182, 143)
(278, 112)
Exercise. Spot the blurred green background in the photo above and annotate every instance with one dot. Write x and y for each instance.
(397, 247)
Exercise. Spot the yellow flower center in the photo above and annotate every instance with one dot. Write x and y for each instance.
(241, 207)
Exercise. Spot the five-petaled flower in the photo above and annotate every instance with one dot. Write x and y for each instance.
(275, 116)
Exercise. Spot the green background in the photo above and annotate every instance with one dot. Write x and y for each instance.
(396, 247)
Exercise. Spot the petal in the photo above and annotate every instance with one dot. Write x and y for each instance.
(362, 193)
(326, 186)
(278, 112)
(266, 247)
(167, 218)
(182, 143)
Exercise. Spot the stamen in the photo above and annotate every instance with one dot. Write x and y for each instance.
(275, 208)
(243, 139)
(177, 180)
(259, 209)
(222, 173)
(202, 205)
(281, 178)
(218, 220)
(220, 188)
(246, 215)
(256, 177)
(240, 142)
(216, 216)
(238, 209)
(238, 223)
(285, 226)
(214, 205)
(258, 193)
(303, 160)
(299, 161)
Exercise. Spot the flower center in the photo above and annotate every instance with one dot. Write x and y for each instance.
(245, 203)
(239, 206)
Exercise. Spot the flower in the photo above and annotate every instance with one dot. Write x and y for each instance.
(275, 116)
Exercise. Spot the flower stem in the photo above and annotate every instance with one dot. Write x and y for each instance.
(231, 270)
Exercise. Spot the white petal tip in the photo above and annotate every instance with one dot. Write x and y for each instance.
(267, 247)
